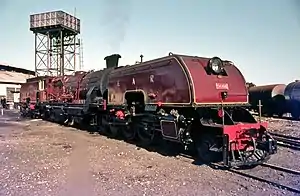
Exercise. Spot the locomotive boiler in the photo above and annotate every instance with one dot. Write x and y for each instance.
(195, 101)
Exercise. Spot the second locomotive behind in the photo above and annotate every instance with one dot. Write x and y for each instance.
(195, 101)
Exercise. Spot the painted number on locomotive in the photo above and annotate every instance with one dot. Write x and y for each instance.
(222, 86)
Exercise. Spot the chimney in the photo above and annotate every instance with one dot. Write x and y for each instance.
(112, 60)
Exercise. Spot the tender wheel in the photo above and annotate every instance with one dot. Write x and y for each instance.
(145, 133)
(203, 146)
(128, 133)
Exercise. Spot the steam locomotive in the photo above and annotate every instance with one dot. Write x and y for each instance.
(195, 101)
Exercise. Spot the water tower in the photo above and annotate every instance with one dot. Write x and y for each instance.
(56, 43)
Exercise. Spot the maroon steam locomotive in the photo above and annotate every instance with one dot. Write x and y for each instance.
(195, 101)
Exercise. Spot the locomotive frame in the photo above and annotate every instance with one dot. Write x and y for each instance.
(201, 113)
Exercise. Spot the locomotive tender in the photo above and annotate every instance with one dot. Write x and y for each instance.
(191, 100)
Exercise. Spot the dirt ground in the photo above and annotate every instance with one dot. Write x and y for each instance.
(287, 127)
(41, 158)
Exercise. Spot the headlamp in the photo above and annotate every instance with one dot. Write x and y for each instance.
(215, 64)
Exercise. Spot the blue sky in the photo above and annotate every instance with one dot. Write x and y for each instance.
(261, 37)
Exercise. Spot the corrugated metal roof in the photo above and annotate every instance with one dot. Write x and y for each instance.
(13, 77)
(15, 69)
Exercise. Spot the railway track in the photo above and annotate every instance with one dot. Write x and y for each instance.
(279, 168)
(286, 141)
(286, 118)
(268, 181)
(259, 178)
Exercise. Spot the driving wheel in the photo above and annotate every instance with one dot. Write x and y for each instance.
(128, 133)
(145, 133)
(203, 146)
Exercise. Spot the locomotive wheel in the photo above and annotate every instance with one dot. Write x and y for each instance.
(71, 122)
(52, 116)
(128, 133)
(112, 131)
(203, 145)
(145, 133)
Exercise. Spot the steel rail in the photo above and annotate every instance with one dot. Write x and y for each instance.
(284, 136)
(261, 179)
(287, 141)
(291, 189)
(279, 168)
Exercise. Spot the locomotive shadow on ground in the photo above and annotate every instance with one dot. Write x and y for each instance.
(169, 149)
(162, 147)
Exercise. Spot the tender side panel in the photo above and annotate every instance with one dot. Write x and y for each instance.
(165, 78)
(72, 84)
(207, 88)
(28, 90)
